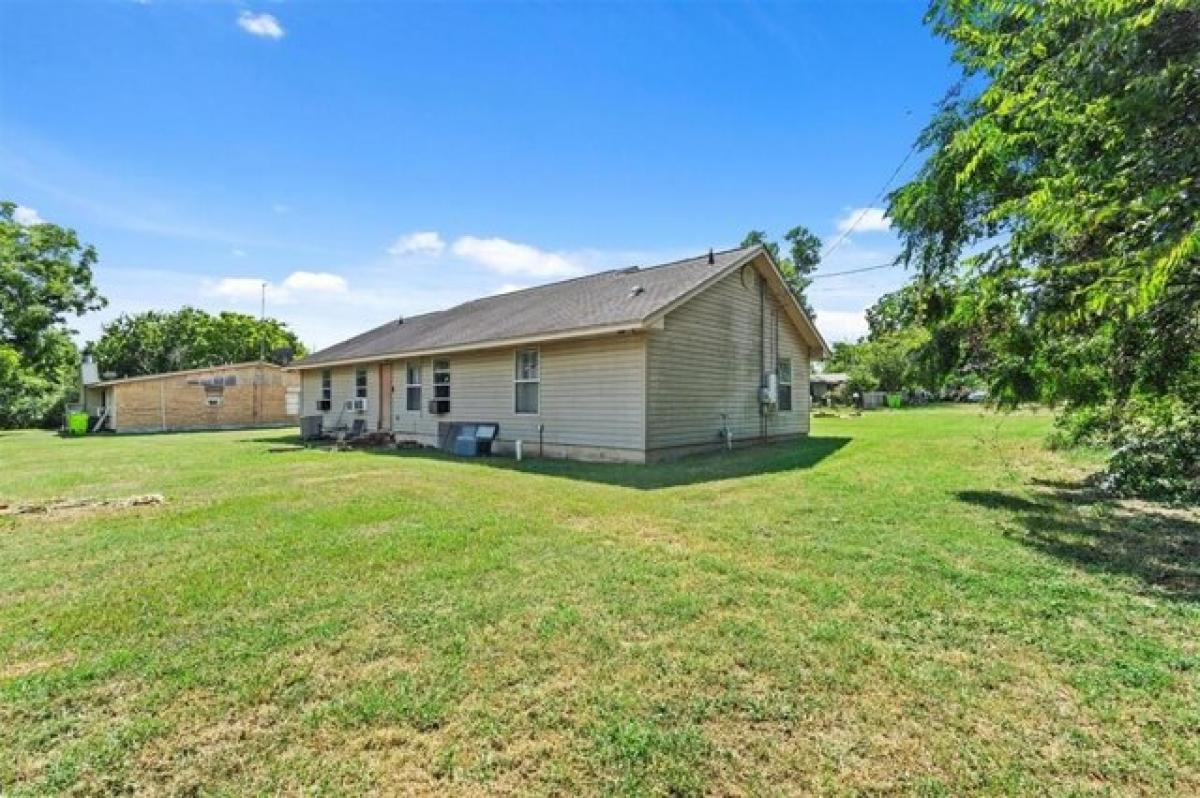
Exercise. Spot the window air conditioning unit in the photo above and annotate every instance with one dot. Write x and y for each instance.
(356, 405)
(768, 394)
(439, 407)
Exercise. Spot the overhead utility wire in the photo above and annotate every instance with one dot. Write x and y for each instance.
(862, 214)
(888, 265)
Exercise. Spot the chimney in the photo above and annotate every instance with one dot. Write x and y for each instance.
(90, 372)
(711, 259)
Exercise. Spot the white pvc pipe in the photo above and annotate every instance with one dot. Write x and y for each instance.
(517, 447)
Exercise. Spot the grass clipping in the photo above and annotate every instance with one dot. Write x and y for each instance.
(70, 505)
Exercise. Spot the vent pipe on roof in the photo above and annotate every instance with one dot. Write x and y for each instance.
(711, 259)
(636, 290)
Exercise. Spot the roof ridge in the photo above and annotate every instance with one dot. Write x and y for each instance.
(633, 269)
(694, 257)
(564, 281)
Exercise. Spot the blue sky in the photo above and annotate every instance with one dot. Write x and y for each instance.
(370, 160)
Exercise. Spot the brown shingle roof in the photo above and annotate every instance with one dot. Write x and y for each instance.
(602, 300)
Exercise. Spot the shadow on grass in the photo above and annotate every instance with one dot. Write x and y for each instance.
(769, 458)
(1157, 546)
(282, 429)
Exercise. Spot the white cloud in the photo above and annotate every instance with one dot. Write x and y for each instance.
(315, 282)
(841, 325)
(508, 288)
(422, 242)
(263, 25)
(238, 253)
(280, 208)
(26, 216)
(864, 220)
(509, 257)
(295, 286)
(238, 288)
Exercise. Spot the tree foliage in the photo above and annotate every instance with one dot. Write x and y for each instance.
(1059, 206)
(803, 258)
(45, 277)
(885, 361)
(156, 341)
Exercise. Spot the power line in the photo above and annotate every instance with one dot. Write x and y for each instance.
(862, 214)
(888, 265)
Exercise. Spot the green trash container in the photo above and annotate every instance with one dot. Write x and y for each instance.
(77, 424)
(894, 400)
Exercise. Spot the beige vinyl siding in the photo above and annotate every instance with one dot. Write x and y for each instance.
(591, 394)
(708, 360)
(343, 389)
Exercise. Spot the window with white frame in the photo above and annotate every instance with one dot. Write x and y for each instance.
(412, 387)
(528, 380)
(784, 370)
(325, 403)
(441, 385)
(360, 383)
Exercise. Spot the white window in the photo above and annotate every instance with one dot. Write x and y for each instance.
(412, 387)
(360, 383)
(441, 386)
(528, 381)
(784, 369)
(214, 400)
(325, 403)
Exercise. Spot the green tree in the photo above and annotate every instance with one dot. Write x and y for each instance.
(885, 361)
(45, 277)
(1061, 196)
(155, 341)
(804, 256)
(844, 356)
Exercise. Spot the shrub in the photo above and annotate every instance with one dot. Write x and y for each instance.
(1157, 454)
(1084, 425)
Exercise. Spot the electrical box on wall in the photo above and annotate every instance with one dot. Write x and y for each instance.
(768, 394)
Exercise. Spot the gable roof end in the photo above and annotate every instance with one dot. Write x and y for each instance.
(620, 299)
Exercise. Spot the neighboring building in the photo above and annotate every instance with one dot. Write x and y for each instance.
(253, 394)
(630, 365)
(827, 382)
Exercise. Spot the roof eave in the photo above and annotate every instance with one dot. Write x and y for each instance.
(565, 335)
(654, 318)
(823, 350)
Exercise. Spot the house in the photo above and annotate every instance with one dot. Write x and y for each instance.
(630, 365)
(254, 394)
(826, 383)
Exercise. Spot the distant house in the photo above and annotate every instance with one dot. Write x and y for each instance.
(826, 382)
(255, 394)
(630, 365)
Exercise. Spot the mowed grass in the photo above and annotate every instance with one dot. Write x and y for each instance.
(916, 601)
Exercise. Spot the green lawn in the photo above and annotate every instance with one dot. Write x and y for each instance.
(915, 601)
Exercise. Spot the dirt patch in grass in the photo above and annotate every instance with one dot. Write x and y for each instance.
(79, 506)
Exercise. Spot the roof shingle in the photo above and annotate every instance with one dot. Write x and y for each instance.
(605, 299)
